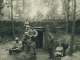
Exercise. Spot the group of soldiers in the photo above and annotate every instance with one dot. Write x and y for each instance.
(28, 39)
(55, 48)
(27, 42)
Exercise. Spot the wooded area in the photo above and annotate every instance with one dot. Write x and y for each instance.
(16, 12)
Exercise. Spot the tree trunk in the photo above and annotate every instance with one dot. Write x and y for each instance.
(67, 16)
(73, 30)
(23, 7)
(12, 18)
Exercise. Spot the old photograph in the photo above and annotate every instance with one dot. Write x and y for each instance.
(39, 29)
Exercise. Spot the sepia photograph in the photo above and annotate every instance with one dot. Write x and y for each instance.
(39, 29)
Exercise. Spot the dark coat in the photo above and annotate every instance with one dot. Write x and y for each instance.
(50, 43)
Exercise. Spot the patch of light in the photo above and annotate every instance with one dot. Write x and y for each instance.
(14, 2)
(37, 7)
(59, 10)
(44, 10)
(33, 11)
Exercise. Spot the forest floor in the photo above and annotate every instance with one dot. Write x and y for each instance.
(4, 53)
(41, 55)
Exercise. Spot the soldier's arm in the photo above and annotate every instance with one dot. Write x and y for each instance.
(29, 33)
(36, 33)
(20, 44)
(13, 45)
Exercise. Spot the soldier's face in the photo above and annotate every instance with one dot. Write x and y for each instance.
(28, 28)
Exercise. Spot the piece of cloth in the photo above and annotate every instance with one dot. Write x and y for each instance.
(59, 51)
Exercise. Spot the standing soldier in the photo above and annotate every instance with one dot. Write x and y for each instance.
(28, 45)
(25, 36)
(50, 45)
(33, 47)
(32, 32)
(23, 41)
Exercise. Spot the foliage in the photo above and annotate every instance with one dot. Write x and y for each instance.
(64, 38)
(6, 28)
(77, 26)
(27, 11)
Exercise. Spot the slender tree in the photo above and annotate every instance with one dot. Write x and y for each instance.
(1, 6)
(66, 8)
(12, 18)
(73, 30)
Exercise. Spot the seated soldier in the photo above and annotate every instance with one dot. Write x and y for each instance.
(59, 51)
(65, 47)
(17, 46)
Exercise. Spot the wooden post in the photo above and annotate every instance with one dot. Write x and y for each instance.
(73, 30)
(43, 41)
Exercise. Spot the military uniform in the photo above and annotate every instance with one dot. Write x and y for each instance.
(65, 46)
(33, 47)
(17, 46)
(59, 51)
(28, 45)
(24, 40)
(50, 46)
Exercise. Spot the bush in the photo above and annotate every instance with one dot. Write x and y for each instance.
(64, 38)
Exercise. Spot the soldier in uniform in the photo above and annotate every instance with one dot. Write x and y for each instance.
(59, 51)
(17, 46)
(65, 47)
(25, 37)
(33, 46)
(50, 46)
(24, 41)
(28, 45)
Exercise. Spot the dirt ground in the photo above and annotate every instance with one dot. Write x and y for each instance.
(76, 56)
(4, 52)
(41, 55)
